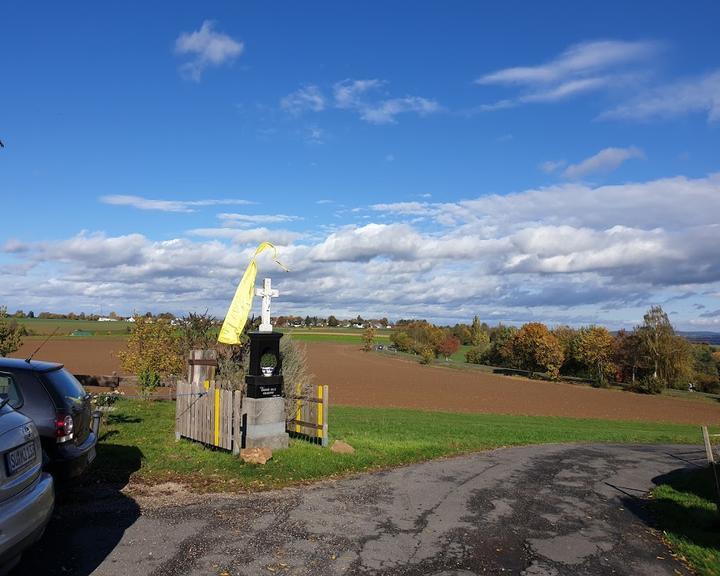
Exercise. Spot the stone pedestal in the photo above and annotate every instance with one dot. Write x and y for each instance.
(265, 423)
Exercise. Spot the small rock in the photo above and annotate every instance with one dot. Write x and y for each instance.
(256, 455)
(341, 447)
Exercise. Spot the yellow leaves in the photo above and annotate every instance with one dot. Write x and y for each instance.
(152, 346)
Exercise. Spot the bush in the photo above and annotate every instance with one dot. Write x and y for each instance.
(297, 379)
(148, 381)
(152, 350)
(648, 385)
(427, 355)
(10, 334)
(475, 355)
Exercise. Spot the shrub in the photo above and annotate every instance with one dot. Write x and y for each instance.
(297, 379)
(148, 381)
(475, 355)
(427, 355)
(232, 367)
(10, 333)
(648, 385)
(152, 350)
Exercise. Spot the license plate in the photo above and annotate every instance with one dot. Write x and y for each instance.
(91, 455)
(20, 457)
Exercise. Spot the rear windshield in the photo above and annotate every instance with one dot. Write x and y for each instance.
(9, 391)
(65, 385)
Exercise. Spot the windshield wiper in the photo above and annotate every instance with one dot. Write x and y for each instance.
(4, 401)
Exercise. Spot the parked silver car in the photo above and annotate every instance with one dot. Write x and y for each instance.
(27, 495)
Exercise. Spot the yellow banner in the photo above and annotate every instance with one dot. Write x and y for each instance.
(241, 304)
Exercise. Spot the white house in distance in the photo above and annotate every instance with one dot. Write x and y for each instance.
(106, 319)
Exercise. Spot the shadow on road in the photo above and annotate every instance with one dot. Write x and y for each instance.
(685, 515)
(90, 518)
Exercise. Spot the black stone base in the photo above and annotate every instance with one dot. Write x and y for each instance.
(264, 386)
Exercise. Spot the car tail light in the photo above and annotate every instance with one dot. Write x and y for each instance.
(64, 427)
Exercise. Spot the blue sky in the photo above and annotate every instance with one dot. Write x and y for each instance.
(554, 162)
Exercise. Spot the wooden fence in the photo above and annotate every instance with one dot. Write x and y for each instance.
(310, 419)
(214, 416)
(209, 415)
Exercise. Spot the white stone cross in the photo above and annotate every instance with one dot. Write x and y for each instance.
(267, 294)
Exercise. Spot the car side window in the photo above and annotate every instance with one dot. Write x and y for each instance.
(9, 389)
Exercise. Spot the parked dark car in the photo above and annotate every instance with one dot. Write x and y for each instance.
(60, 408)
(26, 493)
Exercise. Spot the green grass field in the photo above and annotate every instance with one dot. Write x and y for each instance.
(138, 441)
(685, 510)
(45, 327)
(337, 335)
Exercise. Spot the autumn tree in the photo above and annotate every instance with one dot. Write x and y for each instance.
(462, 332)
(500, 335)
(656, 333)
(594, 350)
(10, 333)
(152, 353)
(478, 335)
(628, 356)
(535, 349)
(197, 331)
(401, 340)
(368, 338)
(567, 337)
(449, 346)
(669, 355)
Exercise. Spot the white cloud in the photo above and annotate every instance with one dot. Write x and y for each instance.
(244, 219)
(348, 92)
(606, 160)
(168, 205)
(565, 253)
(206, 48)
(306, 99)
(688, 96)
(405, 208)
(248, 236)
(584, 67)
(384, 112)
(551, 166)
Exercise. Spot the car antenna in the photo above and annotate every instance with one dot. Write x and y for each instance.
(41, 345)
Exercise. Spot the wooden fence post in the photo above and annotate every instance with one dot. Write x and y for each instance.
(708, 446)
(325, 439)
(201, 366)
(237, 422)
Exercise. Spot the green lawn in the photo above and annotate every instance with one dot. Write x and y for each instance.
(686, 513)
(44, 327)
(337, 338)
(138, 442)
(338, 335)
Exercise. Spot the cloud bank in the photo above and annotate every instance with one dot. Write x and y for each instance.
(565, 253)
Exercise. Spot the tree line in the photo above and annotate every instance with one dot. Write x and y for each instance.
(649, 358)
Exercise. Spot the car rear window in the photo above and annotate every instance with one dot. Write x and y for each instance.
(65, 385)
(9, 390)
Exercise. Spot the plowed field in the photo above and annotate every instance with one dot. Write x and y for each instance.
(357, 378)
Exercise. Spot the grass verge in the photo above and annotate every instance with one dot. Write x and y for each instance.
(138, 444)
(685, 511)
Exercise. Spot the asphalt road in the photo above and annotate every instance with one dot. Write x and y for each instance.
(547, 510)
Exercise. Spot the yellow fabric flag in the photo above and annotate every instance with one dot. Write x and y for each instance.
(242, 301)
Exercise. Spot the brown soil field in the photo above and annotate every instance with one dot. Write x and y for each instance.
(357, 378)
(95, 356)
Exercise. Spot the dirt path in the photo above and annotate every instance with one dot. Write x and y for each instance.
(357, 378)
